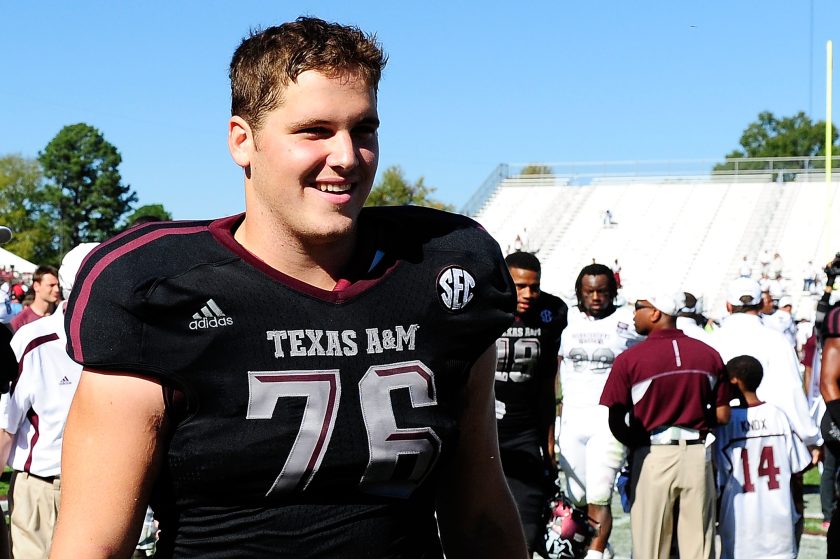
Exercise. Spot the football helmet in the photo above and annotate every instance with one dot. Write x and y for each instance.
(569, 530)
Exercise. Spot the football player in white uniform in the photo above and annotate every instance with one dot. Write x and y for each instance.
(590, 456)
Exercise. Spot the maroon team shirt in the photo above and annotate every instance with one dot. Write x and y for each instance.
(25, 316)
(669, 380)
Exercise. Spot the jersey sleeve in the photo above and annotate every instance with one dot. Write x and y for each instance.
(111, 320)
(104, 317)
(490, 312)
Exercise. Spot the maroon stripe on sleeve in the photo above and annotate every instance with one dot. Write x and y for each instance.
(84, 292)
(40, 340)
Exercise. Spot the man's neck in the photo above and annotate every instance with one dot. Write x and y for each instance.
(319, 264)
(40, 307)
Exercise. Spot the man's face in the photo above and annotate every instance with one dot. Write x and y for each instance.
(767, 303)
(595, 295)
(642, 316)
(313, 161)
(47, 289)
(527, 284)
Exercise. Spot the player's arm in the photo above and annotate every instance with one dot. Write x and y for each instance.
(548, 407)
(830, 378)
(723, 413)
(6, 435)
(111, 454)
(476, 512)
(6, 439)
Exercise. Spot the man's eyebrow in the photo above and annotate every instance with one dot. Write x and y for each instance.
(315, 122)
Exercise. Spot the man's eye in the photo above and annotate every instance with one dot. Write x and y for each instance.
(365, 131)
(318, 131)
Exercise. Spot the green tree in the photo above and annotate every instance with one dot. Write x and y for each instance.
(23, 208)
(84, 185)
(795, 136)
(536, 169)
(149, 212)
(394, 190)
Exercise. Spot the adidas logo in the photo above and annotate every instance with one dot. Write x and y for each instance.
(210, 316)
(64, 381)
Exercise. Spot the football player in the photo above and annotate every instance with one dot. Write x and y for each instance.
(344, 411)
(526, 368)
(590, 455)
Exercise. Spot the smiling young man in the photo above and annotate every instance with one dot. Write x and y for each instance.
(590, 456)
(352, 415)
(526, 367)
(46, 290)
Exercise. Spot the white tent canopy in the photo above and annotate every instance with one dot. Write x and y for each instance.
(7, 260)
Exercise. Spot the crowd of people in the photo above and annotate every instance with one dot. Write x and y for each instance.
(652, 388)
(382, 382)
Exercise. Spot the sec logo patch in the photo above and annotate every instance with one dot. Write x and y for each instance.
(455, 288)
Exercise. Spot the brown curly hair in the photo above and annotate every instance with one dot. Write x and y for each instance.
(267, 61)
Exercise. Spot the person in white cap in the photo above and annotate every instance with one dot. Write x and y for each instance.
(674, 391)
(778, 317)
(690, 318)
(32, 417)
(742, 333)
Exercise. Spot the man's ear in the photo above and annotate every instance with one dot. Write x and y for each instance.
(240, 141)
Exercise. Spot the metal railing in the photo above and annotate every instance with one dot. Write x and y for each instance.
(577, 173)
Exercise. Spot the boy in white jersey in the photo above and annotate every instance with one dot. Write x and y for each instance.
(590, 456)
(757, 453)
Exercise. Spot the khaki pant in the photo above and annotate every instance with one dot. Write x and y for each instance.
(662, 474)
(33, 511)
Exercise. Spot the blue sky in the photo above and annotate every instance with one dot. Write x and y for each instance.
(468, 85)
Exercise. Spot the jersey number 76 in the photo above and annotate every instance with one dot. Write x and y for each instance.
(386, 441)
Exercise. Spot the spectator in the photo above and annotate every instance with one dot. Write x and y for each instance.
(780, 318)
(757, 453)
(745, 271)
(690, 318)
(46, 293)
(742, 333)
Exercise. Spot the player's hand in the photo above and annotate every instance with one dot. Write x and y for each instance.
(816, 455)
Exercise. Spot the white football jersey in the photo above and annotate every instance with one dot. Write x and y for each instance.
(756, 454)
(588, 348)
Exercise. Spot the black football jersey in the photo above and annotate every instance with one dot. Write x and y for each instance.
(316, 421)
(525, 354)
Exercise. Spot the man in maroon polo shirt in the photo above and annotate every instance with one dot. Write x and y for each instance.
(673, 389)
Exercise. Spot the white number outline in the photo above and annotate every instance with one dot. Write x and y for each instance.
(316, 425)
(386, 441)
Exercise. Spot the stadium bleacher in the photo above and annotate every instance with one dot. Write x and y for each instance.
(695, 229)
